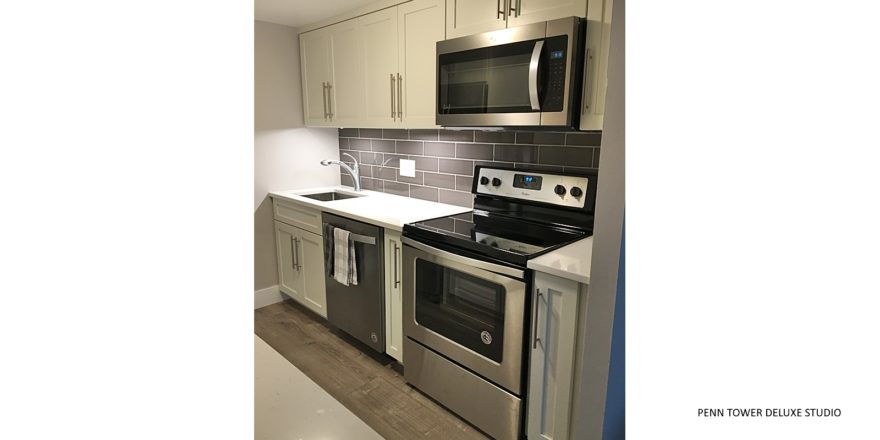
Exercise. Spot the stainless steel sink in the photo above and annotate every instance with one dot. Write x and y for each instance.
(330, 196)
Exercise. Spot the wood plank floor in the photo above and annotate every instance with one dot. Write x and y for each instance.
(364, 383)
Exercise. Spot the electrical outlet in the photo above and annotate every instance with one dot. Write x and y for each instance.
(407, 168)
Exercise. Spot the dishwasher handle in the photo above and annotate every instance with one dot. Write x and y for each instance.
(358, 238)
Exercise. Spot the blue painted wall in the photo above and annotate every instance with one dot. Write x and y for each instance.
(614, 427)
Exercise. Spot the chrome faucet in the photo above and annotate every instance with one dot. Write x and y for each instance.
(355, 173)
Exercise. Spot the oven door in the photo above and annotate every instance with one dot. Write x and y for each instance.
(468, 310)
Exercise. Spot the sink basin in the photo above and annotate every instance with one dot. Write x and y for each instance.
(330, 196)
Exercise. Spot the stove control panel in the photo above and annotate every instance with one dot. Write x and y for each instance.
(549, 188)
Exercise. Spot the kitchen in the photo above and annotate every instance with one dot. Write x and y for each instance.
(432, 234)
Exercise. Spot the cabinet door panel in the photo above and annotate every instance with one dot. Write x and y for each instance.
(347, 87)
(552, 357)
(421, 26)
(393, 295)
(311, 250)
(596, 64)
(290, 279)
(533, 11)
(316, 71)
(466, 17)
(380, 61)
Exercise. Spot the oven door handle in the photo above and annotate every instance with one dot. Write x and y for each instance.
(534, 64)
(485, 265)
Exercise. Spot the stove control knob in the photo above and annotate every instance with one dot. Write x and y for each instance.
(496, 181)
(576, 191)
(559, 190)
(484, 180)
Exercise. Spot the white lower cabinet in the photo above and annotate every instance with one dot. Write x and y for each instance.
(393, 295)
(554, 331)
(300, 258)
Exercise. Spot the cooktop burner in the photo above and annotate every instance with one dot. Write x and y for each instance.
(504, 238)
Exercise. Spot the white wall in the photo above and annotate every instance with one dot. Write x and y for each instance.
(286, 154)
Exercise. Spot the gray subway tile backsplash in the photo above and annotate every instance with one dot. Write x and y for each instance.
(473, 151)
(440, 149)
(382, 145)
(457, 135)
(438, 180)
(516, 153)
(411, 147)
(445, 159)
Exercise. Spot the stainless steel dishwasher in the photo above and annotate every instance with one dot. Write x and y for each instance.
(359, 310)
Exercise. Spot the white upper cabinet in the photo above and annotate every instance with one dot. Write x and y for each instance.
(520, 12)
(374, 71)
(467, 17)
(379, 34)
(420, 27)
(596, 64)
(346, 91)
(316, 74)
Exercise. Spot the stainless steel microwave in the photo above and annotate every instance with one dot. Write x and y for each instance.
(525, 76)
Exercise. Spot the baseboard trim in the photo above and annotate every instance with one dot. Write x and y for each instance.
(267, 297)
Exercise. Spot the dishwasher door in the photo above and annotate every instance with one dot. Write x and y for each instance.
(360, 310)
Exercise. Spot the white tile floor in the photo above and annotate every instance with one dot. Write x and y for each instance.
(289, 406)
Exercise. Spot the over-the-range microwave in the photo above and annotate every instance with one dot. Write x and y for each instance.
(525, 76)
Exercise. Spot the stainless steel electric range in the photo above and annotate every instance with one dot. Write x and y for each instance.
(466, 298)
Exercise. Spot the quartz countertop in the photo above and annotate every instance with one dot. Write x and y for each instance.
(386, 210)
(571, 262)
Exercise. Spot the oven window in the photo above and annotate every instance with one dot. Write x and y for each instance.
(464, 308)
(487, 80)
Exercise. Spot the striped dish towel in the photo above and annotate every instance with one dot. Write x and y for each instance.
(344, 258)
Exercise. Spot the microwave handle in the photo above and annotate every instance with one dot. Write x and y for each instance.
(533, 75)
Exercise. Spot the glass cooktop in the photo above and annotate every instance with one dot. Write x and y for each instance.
(507, 239)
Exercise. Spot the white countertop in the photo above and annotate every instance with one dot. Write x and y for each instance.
(571, 262)
(380, 209)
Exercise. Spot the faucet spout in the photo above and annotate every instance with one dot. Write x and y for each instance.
(353, 171)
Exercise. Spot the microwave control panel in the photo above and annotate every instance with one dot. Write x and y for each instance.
(556, 52)
(549, 188)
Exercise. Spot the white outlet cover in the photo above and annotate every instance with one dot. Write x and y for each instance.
(407, 168)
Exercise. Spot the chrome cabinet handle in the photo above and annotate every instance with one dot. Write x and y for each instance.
(392, 96)
(324, 98)
(535, 322)
(513, 11)
(499, 10)
(293, 246)
(396, 278)
(330, 100)
(399, 97)
(534, 63)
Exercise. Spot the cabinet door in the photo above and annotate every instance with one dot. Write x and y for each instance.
(290, 272)
(596, 64)
(554, 329)
(421, 26)
(314, 49)
(466, 17)
(346, 93)
(311, 248)
(393, 295)
(522, 12)
(380, 63)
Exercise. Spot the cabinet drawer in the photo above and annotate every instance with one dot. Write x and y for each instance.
(297, 215)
